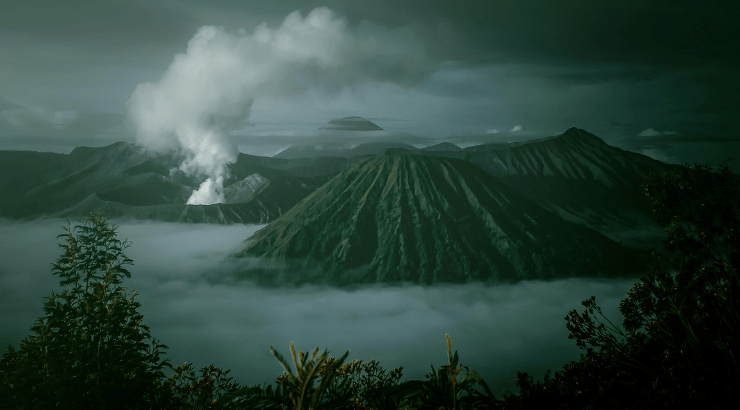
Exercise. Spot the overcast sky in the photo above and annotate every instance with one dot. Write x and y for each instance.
(657, 77)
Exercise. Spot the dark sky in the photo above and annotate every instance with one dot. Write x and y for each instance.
(657, 77)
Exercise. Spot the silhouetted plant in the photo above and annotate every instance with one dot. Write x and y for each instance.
(90, 349)
(298, 391)
(681, 329)
(300, 386)
(366, 381)
(443, 389)
(199, 392)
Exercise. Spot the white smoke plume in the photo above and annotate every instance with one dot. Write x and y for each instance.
(211, 87)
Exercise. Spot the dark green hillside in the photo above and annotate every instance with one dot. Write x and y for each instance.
(423, 219)
(579, 177)
(22, 170)
(151, 189)
(576, 175)
(127, 181)
(83, 172)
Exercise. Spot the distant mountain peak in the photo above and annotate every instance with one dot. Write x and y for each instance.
(574, 133)
(351, 124)
(443, 146)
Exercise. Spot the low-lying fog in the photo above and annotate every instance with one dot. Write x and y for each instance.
(192, 305)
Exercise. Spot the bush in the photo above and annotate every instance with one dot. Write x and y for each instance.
(680, 330)
(359, 385)
(90, 349)
(198, 392)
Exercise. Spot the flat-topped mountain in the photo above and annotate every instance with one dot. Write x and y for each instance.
(350, 124)
(423, 219)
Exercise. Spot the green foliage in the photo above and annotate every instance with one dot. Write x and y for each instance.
(359, 385)
(680, 330)
(298, 390)
(443, 389)
(300, 386)
(199, 392)
(91, 349)
(367, 382)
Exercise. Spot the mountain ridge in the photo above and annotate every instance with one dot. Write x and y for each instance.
(129, 182)
(426, 220)
(579, 177)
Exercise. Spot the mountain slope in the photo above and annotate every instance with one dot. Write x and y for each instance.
(423, 219)
(580, 178)
(129, 182)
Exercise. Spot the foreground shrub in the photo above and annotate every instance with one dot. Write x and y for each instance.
(90, 349)
(191, 391)
(324, 383)
(680, 331)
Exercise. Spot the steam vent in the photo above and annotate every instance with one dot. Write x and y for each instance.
(351, 124)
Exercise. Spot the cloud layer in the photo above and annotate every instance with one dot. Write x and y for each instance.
(211, 87)
(191, 303)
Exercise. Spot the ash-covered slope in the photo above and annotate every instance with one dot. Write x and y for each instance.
(424, 219)
(580, 178)
(126, 181)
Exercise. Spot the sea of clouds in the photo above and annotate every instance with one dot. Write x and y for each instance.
(193, 305)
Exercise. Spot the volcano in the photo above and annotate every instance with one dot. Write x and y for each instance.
(409, 218)
(127, 182)
(350, 124)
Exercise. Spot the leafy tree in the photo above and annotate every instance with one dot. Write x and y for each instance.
(680, 331)
(90, 349)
